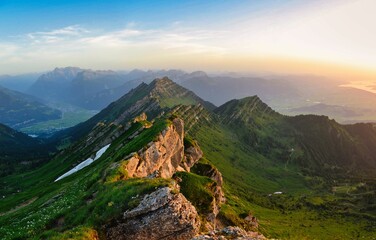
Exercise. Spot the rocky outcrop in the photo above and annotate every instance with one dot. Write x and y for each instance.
(251, 221)
(163, 214)
(191, 155)
(169, 153)
(140, 118)
(216, 176)
(234, 233)
(206, 169)
(165, 156)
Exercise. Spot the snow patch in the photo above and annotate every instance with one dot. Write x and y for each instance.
(101, 151)
(85, 163)
(275, 193)
(80, 166)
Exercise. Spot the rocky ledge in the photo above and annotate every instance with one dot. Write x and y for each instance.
(165, 156)
(163, 214)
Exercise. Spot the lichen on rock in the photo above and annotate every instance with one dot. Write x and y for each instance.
(162, 214)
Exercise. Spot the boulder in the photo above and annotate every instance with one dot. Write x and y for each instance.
(163, 214)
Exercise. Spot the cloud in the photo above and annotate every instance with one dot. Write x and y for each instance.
(188, 40)
(74, 30)
(57, 35)
(92, 47)
(76, 38)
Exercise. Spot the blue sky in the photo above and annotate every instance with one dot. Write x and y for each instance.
(287, 36)
(19, 17)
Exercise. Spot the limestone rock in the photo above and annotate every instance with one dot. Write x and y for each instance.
(251, 221)
(165, 156)
(162, 214)
(140, 118)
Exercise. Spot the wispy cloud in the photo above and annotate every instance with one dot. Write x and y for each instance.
(82, 46)
(176, 38)
(57, 35)
(74, 30)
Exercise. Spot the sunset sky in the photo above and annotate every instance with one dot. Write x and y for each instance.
(333, 37)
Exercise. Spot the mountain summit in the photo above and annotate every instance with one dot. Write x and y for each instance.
(153, 99)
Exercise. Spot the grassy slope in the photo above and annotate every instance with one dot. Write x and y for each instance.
(19, 152)
(249, 178)
(306, 209)
(18, 109)
(41, 202)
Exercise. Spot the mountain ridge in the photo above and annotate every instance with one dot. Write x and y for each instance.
(18, 110)
(149, 98)
(257, 168)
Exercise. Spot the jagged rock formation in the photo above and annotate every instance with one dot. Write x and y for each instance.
(163, 214)
(165, 156)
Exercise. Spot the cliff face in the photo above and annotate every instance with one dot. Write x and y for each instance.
(165, 156)
(163, 214)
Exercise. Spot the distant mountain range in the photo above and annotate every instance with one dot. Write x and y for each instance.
(94, 90)
(18, 83)
(18, 110)
(90, 89)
